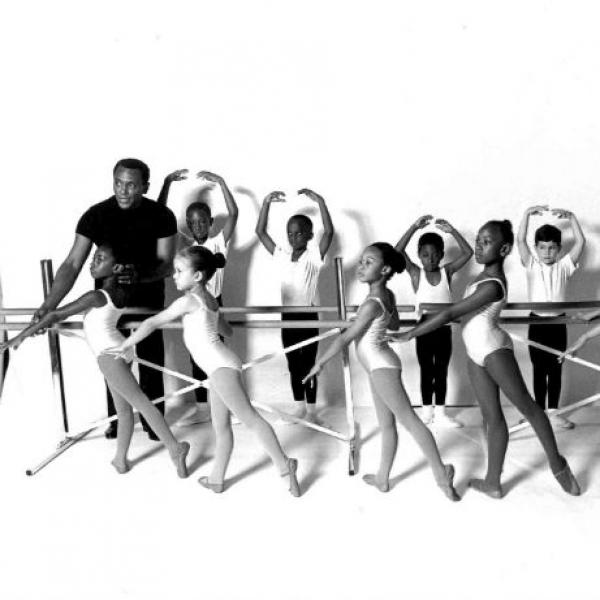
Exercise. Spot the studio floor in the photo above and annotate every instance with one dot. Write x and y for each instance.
(78, 530)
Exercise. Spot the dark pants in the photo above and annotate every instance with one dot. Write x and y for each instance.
(433, 353)
(151, 349)
(547, 371)
(301, 361)
(199, 374)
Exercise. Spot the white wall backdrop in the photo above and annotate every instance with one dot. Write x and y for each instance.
(466, 110)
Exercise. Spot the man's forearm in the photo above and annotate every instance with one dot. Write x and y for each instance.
(62, 285)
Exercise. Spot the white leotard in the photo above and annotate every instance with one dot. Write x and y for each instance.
(100, 327)
(201, 337)
(481, 333)
(372, 349)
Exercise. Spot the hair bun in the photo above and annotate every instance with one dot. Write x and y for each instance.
(219, 260)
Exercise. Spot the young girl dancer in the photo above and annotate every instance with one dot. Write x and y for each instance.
(492, 365)
(202, 323)
(432, 284)
(299, 266)
(102, 310)
(199, 220)
(377, 265)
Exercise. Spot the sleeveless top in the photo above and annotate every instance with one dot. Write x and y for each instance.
(372, 349)
(427, 293)
(201, 338)
(100, 327)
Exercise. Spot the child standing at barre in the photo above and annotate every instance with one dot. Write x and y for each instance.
(102, 309)
(202, 324)
(492, 366)
(378, 263)
(548, 274)
(431, 284)
(299, 266)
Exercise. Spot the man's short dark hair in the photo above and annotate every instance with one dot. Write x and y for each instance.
(136, 165)
(548, 233)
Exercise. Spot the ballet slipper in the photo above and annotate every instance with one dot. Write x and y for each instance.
(292, 467)
(567, 480)
(120, 467)
(372, 480)
(217, 488)
(179, 459)
(448, 486)
(482, 486)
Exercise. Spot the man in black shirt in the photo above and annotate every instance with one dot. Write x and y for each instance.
(143, 232)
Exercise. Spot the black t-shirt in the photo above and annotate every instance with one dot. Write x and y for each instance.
(133, 234)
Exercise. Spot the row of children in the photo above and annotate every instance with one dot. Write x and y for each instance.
(491, 361)
(547, 270)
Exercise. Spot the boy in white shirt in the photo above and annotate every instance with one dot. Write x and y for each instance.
(299, 265)
(547, 277)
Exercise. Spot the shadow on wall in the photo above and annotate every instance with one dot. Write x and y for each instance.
(580, 382)
(4, 356)
(353, 224)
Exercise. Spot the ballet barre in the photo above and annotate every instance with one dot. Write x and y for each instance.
(334, 327)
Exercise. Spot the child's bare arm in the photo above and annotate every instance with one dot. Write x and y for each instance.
(263, 219)
(178, 175)
(524, 251)
(328, 229)
(81, 305)
(466, 252)
(411, 267)
(579, 244)
(232, 209)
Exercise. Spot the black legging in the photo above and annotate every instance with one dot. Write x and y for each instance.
(433, 352)
(547, 371)
(301, 361)
(199, 374)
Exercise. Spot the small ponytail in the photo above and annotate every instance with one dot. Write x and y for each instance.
(203, 260)
(505, 228)
(390, 257)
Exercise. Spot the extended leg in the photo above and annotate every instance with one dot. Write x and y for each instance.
(389, 388)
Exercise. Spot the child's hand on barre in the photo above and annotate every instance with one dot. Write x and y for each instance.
(314, 372)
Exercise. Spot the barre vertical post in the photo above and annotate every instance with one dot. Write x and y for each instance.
(55, 358)
(341, 306)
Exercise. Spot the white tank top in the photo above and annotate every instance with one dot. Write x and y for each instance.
(100, 326)
(427, 293)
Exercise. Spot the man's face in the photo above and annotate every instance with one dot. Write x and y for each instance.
(128, 187)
